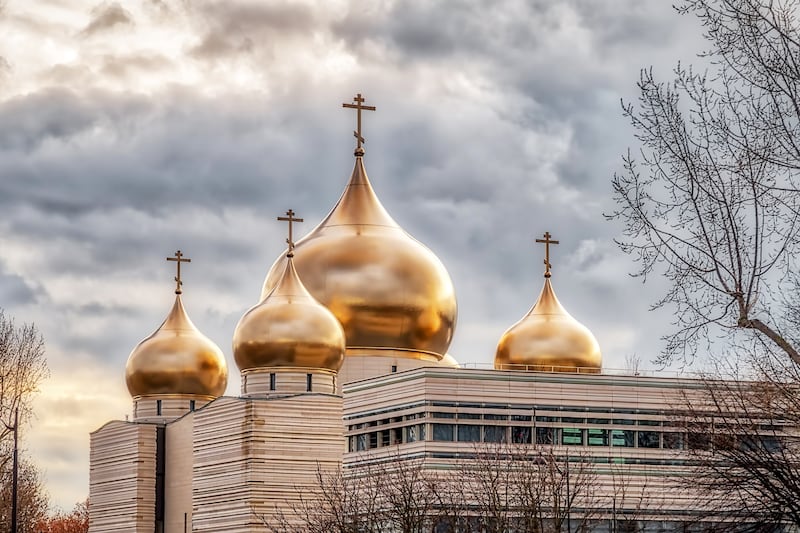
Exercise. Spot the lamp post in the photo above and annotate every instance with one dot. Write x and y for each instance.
(14, 471)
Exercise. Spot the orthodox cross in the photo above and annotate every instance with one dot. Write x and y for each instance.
(358, 99)
(547, 242)
(179, 259)
(290, 219)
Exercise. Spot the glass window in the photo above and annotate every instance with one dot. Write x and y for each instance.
(495, 417)
(521, 418)
(698, 441)
(599, 421)
(272, 381)
(373, 440)
(308, 382)
(674, 441)
(422, 432)
(469, 416)
(191, 405)
(443, 415)
(571, 420)
(622, 437)
(494, 433)
(548, 419)
(397, 435)
(158, 407)
(572, 436)
(443, 432)
(624, 422)
(648, 439)
(469, 433)
(521, 435)
(770, 443)
(597, 437)
(361, 442)
(545, 435)
(649, 422)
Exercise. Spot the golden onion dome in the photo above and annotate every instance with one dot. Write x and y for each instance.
(176, 359)
(548, 339)
(388, 290)
(289, 328)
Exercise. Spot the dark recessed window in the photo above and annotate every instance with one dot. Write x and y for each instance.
(158, 407)
(191, 405)
(308, 382)
(394, 368)
(272, 381)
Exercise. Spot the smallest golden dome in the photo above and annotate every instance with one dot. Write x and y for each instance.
(548, 338)
(289, 328)
(176, 359)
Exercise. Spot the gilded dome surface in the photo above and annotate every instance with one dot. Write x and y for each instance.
(549, 339)
(288, 328)
(176, 359)
(387, 290)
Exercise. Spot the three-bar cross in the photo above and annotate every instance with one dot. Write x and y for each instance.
(359, 100)
(290, 218)
(179, 259)
(547, 241)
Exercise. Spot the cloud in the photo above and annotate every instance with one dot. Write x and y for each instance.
(107, 16)
(202, 121)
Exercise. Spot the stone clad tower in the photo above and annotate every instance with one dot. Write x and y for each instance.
(171, 373)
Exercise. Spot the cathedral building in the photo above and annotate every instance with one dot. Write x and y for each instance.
(344, 361)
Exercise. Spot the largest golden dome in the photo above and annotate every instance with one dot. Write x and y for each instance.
(388, 290)
(548, 339)
(176, 359)
(288, 328)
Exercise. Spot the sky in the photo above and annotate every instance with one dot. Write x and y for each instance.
(129, 130)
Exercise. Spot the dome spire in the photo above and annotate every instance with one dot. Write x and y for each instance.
(289, 240)
(177, 358)
(179, 259)
(358, 99)
(288, 327)
(547, 337)
(547, 242)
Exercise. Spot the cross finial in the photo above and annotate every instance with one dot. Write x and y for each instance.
(179, 259)
(359, 100)
(290, 219)
(547, 242)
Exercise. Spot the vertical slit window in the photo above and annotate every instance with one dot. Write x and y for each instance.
(272, 381)
(308, 382)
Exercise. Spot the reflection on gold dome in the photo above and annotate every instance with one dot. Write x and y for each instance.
(288, 329)
(548, 338)
(176, 359)
(449, 361)
(388, 290)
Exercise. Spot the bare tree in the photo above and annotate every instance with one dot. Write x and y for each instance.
(527, 488)
(712, 198)
(744, 436)
(337, 504)
(22, 368)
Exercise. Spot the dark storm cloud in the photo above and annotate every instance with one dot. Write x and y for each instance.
(71, 154)
(107, 16)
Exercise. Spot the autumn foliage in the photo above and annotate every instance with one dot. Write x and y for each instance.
(76, 521)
